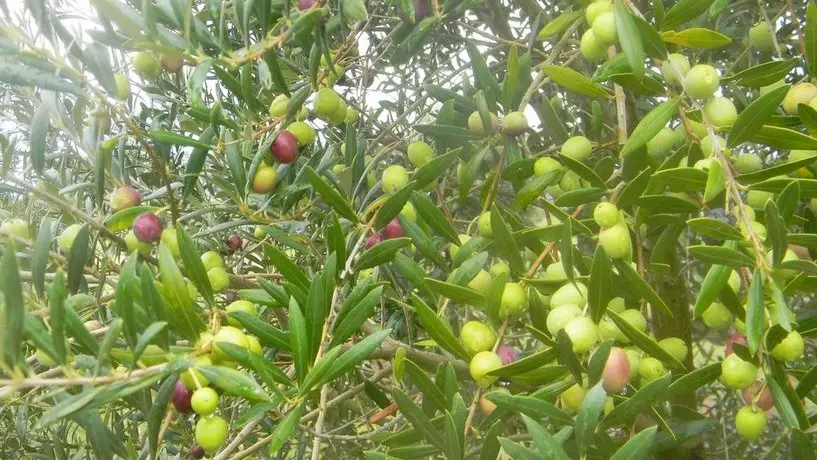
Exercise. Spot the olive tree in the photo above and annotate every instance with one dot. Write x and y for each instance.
(408, 229)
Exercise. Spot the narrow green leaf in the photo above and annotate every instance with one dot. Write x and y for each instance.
(548, 446)
(650, 125)
(438, 330)
(629, 37)
(755, 312)
(755, 115)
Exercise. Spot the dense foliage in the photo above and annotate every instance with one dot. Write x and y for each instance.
(408, 229)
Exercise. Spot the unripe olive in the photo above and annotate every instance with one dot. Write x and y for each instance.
(591, 47)
(240, 306)
(616, 374)
(351, 115)
(790, 348)
(219, 279)
(737, 373)
(556, 272)
(708, 146)
(616, 241)
(758, 198)
(204, 401)
(675, 69)
(499, 268)
(172, 62)
(750, 423)
(264, 180)
(701, 81)
(616, 304)
(229, 334)
(514, 301)
(545, 165)
(212, 259)
(481, 282)
(635, 319)
(634, 355)
(131, 242)
(570, 181)
(476, 337)
(339, 115)
(594, 9)
(651, 369)
(746, 163)
(171, 239)
(559, 317)
(578, 148)
(394, 178)
(484, 224)
(482, 363)
(326, 103)
(604, 28)
(720, 112)
(279, 105)
(19, 228)
(676, 347)
(605, 214)
(419, 153)
(147, 66)
(409, 212)
(573, 397)
(303, 132)
(570, 294)
(761, 37)
(453, 250)
(514, 124)
(661, 144)
(122, 86)
(717, 316)
(211, 432)
(192, 378)
(583, 333)
(476, 126)
(801, 93)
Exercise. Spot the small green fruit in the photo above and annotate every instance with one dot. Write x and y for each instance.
(556, 272)
(720, 112)
(750, 423)
(453, 250)
(240, 306)
(570, 293)
(801, 93)
(477, 337)
(717, 316)
(591, 47)
(219, 279)
(481, 282)
(514, 301)
(661, 144)
(560, 316)
(229, 334)
(676, 347)
(635, 319)
(419, 153)
(573, 397)
(279, 105)
(351, 115)
(19, 228)
(605, 214)
(264, 180)
(578, 148)
(482, 363)
(651, 369)
(757, 198)
(595, 9)
(476, 126)
(604, 28)
(737, 373)
(326, 103)
(192, 378)
(498, 269)
(746, 163)
(303, 132)
(66, 239)
(212, 259)
(133, 244)
(545, 165)
(211, 432)
(339, 115)
(616, 241)
(204, 401)
(484, 224)
(761, 37)
(675, 69)
(394, 178)
(514, 124)
(790, 348)
(708, 146)
(583, 333)
(171, 240)
(147, 66)
(122, 86)
(701, 81)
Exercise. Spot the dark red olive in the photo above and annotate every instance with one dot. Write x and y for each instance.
(732, 339)
(147, 227)
(392, 230)
(373, 240)
(421, 10)
(197, 451)
(507, 354)
(235, 243)
(285, 147)
(181, 397)
(304, 5)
